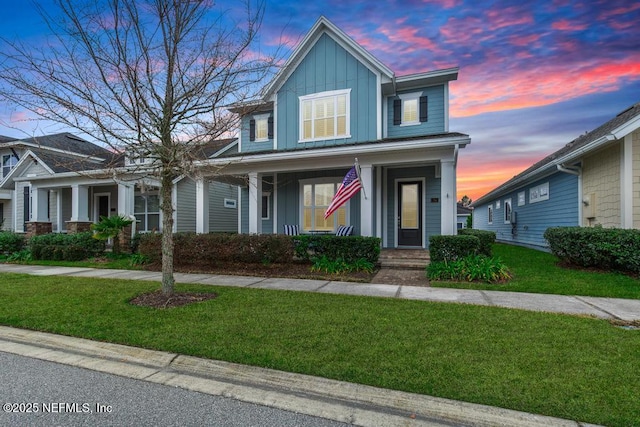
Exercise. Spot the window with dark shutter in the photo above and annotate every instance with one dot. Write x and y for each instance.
(270, 127)
(397, 111)
(252, 130)
(424, 114)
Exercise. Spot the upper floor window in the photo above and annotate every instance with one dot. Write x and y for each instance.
(261, 128)
(9, 161)
(325, 115)
(410, 109)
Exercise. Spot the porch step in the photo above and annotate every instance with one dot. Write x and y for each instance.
(404, 259)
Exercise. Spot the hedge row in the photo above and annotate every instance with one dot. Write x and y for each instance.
(606, 248)
(10, 242)
(211, 249)
(348, 248)
(487, 239)
(67, 247)
(452, 248)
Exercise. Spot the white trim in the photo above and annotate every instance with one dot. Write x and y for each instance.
(626, 182)
(385, 208)
(379, 107)
(446, 107)
(490, 213)
(336, 180)
(261, 117)
(320, 95)
(274, 203)
(96, 207)
(239, 209)
(396, 214)
(404, 97)
(507, 202)
(378, 207)
(275, 122)
(266, 194)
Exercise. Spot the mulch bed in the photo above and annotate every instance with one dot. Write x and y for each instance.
(159, 300)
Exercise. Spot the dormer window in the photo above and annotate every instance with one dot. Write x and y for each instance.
(261, 128)
(325, 115)
(410, 109)
(9, 161)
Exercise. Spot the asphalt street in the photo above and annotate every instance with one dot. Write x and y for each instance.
(44, 394)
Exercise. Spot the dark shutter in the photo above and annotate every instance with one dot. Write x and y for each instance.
(397, 111)
(270, 127)
(424, 115)
(26, 210)
(252, 130)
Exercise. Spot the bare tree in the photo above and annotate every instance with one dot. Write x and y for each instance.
(149, 78)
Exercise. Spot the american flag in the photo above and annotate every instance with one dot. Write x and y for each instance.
(351, 184)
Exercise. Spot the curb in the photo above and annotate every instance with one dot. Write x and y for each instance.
(336, 400)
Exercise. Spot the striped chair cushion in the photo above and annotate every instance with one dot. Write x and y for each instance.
(291, 230)
(344, 230)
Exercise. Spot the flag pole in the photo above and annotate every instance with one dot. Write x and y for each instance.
(360, 179)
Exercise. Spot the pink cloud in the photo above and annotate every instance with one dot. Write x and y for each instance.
(619, 11)
(482, 89)
(507, 17)
(566, 25)
(447, 4)
(522, 41)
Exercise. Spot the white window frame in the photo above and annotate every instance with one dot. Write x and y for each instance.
(539, 193)
(313, 181)
(266, 201)
(522, 200)
(508, 208)
(497, 204)
(404, 98)
(490, 214)
(147, 212)
(11, 166)
(313, 98)
(262, 120)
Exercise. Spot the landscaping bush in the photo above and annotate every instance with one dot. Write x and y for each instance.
(452, 248)
(211, 249)
(487, 239)
(350, 249)
(10, 242)
(598, 247)
(67, 247)
(471, 268)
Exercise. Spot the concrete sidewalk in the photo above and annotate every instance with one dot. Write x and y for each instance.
(606, 308)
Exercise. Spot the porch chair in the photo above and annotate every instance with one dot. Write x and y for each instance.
(344, 230)
(291, 230)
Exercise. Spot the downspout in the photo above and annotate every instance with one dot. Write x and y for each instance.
(573, 170)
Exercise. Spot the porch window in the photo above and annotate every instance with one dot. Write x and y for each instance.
(316, 198)
(325, 115)
(9, 161)
(147, 212)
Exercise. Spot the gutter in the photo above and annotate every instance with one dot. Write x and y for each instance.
(572, 170)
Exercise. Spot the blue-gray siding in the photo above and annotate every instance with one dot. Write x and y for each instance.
(435, 110)
(251, 146)
(220, 218)
(561, 209)
(328, 67)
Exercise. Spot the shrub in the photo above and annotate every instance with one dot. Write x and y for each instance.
(348, 248)
(10, 242)
(487, 239)
(471, 268)
(339, 265)
(605, 248)
(452, 248)
(69, 247)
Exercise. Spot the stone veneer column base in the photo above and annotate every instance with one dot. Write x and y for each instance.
(37, 228)
(74, 227)
(125, 240)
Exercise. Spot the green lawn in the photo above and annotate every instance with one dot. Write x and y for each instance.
(558, 365)
(536, 271)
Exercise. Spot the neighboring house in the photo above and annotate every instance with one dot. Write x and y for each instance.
(593, 180)
(333, 102)
(62, 183)
(464, 212)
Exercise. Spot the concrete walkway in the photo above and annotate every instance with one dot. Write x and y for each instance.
(606, 308)
(341, 401)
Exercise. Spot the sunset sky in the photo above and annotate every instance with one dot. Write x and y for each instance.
(533, 74)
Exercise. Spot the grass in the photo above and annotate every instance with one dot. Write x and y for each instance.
(558, 365)
(122, 262)
(538, 272)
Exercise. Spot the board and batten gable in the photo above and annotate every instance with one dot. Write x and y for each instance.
(533, 218)
(435, 119)
(328, 67)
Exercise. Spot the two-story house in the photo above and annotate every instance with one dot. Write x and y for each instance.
(331, 103)
(63, 183)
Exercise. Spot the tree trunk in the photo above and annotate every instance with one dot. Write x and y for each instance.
(167, 233)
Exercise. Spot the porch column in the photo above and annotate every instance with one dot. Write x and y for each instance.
(40, 205)
(448, 198)
(125, 199)
(79, 203)
(255, 203)
(366, 201)
(626, 182)
(202, 205)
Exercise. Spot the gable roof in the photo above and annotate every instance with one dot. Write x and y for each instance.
(622, 124)
(66, 142)
(6, 139)
(322, 26)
